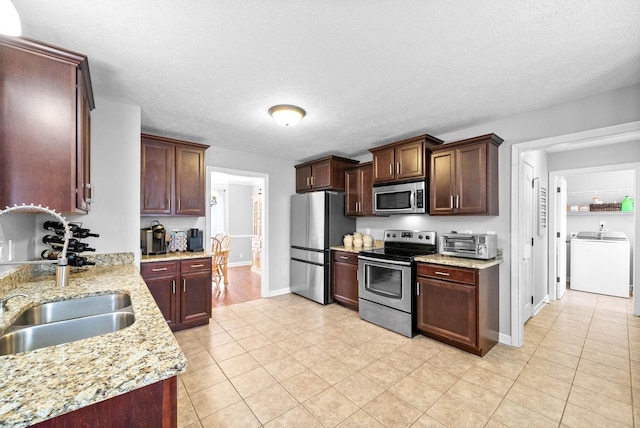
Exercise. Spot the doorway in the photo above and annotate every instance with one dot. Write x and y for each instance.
(625, 133)
(238, 208)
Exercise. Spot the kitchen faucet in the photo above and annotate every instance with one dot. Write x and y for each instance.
(62, 268)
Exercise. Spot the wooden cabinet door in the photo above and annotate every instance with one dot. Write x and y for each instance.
(442, 183)
(195, 296)
(383, 165)
(471, 179)
(409, 160)
(321, 175)
(366, 189)
(156, 184)
(190, 181)
(344, 278)
(448, 310)
(83, 149)
(352, 194)
(163, 289)
(303, 178)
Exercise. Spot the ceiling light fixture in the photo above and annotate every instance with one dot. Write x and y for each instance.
(287, 115)
(9, 19)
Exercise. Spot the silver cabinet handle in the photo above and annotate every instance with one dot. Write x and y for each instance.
(457, 201)
(195, 266)
(398, 168)
(418, 289)
(391, 170)
(184, 285)
(451, 202)
(158, 269)
(308, 182)
(173, 286)
(442, 273)
(344, 257)
(312, 180)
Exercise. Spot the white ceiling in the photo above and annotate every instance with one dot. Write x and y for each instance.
(368, 72)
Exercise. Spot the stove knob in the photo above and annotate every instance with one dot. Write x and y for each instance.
(428, 237)
(419, 236)
(388, 235)
(394, 235)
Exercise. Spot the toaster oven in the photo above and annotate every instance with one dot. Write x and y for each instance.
(469, 245)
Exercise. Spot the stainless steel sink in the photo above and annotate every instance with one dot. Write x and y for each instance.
(67, 321)
(25, 339)
(73, 308)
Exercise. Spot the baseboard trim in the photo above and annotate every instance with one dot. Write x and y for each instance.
(504, 339)
(237, 264)
(279, 292)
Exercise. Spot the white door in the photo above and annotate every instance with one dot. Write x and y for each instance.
(526, 272)
(561, 237)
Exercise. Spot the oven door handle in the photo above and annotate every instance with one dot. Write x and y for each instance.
(391, 262)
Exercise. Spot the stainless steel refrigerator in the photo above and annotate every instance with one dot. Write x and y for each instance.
(317, 223)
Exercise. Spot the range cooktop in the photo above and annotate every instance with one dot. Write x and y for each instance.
(404, 245)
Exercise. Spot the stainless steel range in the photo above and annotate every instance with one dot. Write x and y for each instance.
(387, 277)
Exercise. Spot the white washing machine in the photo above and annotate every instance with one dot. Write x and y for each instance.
(600, 263)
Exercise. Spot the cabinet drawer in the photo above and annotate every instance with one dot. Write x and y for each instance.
(345, 257)
(447, 273)
(195, 265)
(158, 268)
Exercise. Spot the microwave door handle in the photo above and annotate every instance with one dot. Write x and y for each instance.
(412, 200)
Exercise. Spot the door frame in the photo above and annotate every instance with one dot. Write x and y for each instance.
(612, 134)
(264, 260)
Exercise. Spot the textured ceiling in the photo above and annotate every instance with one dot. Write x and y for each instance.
(367, 72)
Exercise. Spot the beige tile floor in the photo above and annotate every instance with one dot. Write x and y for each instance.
(289, 362)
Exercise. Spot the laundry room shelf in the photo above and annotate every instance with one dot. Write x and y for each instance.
(598, 213)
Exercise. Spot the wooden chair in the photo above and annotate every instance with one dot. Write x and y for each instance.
(219, 265)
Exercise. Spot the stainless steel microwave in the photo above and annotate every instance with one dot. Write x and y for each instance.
(403, 198)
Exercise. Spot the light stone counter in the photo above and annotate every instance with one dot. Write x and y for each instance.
(48, 382)
(459, 261)
(178, 255)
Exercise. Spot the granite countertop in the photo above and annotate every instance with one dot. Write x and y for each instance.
(460, 261)
(178, 255)
(48, 382)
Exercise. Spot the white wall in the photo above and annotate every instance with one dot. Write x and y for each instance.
(115, 174)
(611, 108)
(240, 222)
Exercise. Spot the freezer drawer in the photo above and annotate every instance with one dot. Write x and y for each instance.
(310, 280)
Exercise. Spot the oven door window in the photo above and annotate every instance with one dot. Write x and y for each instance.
(384, 281)
(393, 200)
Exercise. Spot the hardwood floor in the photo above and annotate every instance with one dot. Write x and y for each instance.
(243, 286)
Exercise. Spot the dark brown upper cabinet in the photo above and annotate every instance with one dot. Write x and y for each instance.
(172, 178)
(464, 177)
(359, 190)
(45, 126)
(322, 174)
(403, 160)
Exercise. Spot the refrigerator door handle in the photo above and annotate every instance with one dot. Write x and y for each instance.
(306, 261)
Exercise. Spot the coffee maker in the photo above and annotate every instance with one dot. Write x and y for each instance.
(194, 240)
(153, 240)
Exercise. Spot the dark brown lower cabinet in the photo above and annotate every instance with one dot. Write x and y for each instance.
(182, 290)
(154, 405)
(459, 306)
(344, 278)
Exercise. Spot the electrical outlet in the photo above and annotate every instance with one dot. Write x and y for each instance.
(603, 224)
(240, 255)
